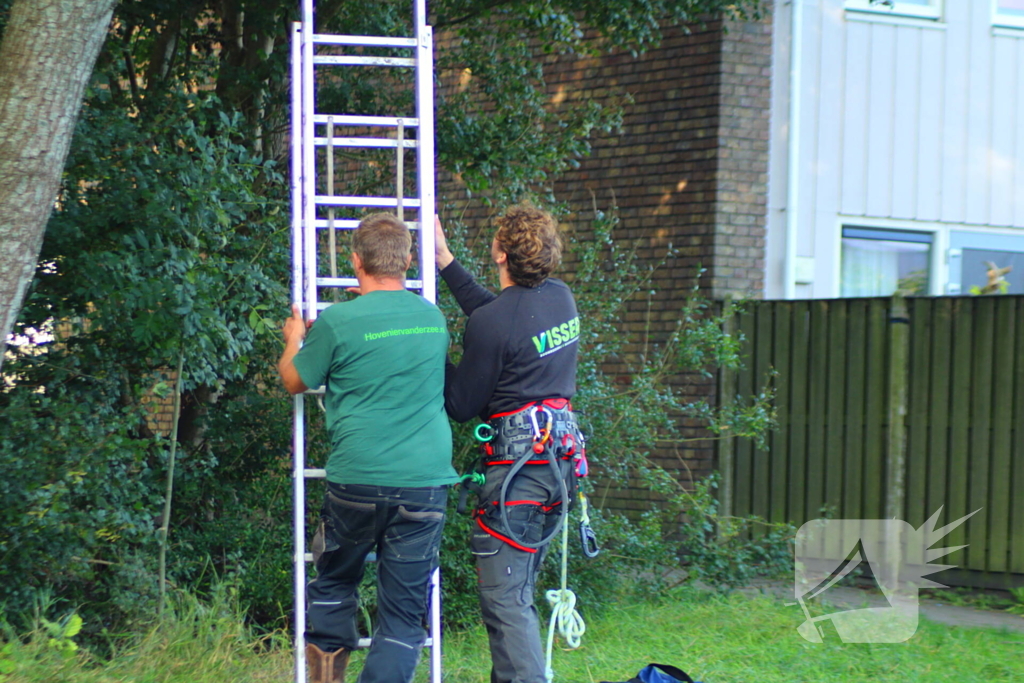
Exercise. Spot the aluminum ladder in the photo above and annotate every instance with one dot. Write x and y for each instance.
(313, 141)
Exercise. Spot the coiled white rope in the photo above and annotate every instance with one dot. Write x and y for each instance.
(564, 616)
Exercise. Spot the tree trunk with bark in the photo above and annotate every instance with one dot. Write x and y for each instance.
(47, 55)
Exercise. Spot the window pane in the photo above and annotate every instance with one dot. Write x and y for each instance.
(880, 267)
(893, 4)
(916, 8)
(977, 263)
(1014, 7)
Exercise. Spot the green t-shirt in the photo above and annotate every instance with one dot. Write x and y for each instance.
(381, 357)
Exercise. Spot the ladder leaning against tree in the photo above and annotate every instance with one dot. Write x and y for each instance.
(314, 222)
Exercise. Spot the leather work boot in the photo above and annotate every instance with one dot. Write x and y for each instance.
(326, 667)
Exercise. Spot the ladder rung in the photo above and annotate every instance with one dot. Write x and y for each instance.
(352, 282)
(352, 120)
(353, 223)
(339, 223)
(368, 41)
(370, 557)
(364, 643)
(360, 60)
(337, 282)
(387, 202)
(410, 284)
(365, 142)
(314, 473)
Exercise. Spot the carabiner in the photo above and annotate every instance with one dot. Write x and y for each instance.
(484, 438)
(540, 436)
(533, 421)
(589, 540)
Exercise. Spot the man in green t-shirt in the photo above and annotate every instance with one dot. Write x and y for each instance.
(381, 357)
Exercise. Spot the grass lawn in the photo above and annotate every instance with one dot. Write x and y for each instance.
(740, 639)
(735, 639)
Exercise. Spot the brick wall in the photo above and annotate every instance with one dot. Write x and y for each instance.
(688, 169)
(741, 199)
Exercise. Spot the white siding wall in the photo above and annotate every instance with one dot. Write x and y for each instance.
(903, 122)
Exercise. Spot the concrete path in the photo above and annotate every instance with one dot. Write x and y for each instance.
(931, 609)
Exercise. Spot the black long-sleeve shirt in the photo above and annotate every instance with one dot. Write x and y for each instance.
(519, 346)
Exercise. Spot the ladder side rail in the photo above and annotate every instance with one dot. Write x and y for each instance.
(425, 153)
(298, 410)
(309, 160)
(428, 275)
(299, 521)
(296, 164)
(435, 626)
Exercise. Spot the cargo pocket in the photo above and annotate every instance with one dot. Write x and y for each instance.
(525, 521)
(417, 534)
(323, 543)
(491, 571)
(350, 521)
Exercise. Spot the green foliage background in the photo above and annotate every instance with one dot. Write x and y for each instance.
(170, 237)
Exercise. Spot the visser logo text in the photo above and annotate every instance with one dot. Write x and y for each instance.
(558, 337)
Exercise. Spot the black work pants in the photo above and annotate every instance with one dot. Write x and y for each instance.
(507, 574)
(404, 526)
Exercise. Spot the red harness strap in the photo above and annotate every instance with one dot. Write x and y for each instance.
(501, 537)
(488, 463)
(553, 403)
(506, 539)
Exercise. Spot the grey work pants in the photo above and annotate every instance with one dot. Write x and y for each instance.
(507, 575)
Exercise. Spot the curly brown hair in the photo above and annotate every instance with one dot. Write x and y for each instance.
(530, 238)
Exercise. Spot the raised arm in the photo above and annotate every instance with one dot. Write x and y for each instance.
(468, 292)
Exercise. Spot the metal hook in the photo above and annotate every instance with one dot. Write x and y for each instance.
(589, 540)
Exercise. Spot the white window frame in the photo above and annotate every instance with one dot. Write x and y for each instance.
(934, 257)
(984, 240)
(1004, 20)
(938, 272)
(898, 9)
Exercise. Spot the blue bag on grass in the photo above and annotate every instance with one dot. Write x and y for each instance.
(661, 673)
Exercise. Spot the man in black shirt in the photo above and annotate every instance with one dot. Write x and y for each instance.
(518, 372)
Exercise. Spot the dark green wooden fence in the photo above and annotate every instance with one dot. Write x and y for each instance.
(889, 408)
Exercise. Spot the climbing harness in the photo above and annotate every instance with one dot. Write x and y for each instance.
(542, 434)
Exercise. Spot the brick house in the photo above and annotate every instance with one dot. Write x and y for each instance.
(689, 168)
(903, 172)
